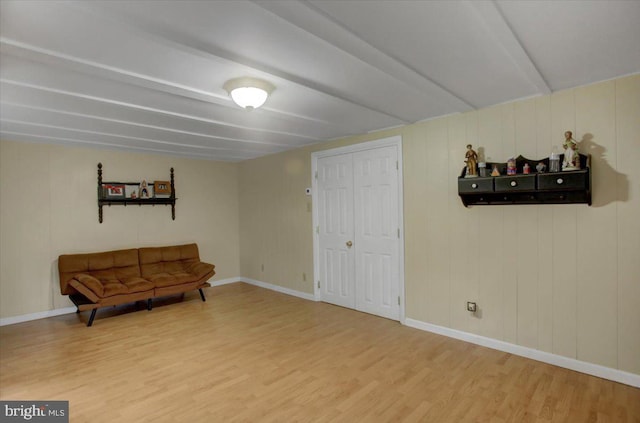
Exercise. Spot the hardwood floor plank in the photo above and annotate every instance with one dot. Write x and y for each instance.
(250, 354)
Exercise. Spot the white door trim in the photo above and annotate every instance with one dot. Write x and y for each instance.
(384, 142)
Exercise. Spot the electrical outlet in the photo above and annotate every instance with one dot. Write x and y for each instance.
(471, 306)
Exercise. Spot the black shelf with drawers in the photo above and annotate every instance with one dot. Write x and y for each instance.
(535, 188)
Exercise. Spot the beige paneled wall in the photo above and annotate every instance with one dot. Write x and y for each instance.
(275, 214)
(559, 278)
(556, 278)
(48, 207)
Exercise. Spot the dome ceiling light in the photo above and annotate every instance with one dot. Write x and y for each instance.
(248, 93)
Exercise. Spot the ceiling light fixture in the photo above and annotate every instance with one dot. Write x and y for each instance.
(249, 93)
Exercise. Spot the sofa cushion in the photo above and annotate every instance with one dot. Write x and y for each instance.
(92, 283)
(168, 279)
(103, 288)
(171, 260)
(102, 266)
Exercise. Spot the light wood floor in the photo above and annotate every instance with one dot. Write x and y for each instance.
(249, 354)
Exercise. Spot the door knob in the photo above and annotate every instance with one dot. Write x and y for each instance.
(349, 244)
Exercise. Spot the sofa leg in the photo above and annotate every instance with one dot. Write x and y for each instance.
(149, 304)
(202, 294)
(93, 314)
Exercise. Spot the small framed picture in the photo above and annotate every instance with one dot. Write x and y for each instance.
(162, 189)
(114, 191)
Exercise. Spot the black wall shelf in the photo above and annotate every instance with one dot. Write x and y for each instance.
(104, 201)
(567, 187)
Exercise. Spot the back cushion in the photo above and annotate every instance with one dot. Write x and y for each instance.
(167, 259)
(103, 266)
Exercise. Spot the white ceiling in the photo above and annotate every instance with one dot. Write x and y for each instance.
(148, 75)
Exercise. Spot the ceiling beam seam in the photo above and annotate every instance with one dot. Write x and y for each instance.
(64, 140)
(86, 131)
(497, 25)
(151, 109)
(466, 105)
(142, 125)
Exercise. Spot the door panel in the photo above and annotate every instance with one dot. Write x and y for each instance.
(376, 231)
(335, 207)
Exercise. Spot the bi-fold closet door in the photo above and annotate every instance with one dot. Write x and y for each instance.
(359, 230)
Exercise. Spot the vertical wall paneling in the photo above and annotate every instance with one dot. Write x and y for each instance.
(489, 225)
(627, 173)
(597, 277)
(437, 239)
(564, 267)
(545, 233)
(473, 264)
(415, 155)
(510, 271)
(462, 288)
(526, 248)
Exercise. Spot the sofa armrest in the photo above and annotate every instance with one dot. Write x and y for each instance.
(91, 283)
(201, 269)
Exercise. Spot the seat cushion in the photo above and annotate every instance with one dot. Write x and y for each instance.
(169, 279)
(103, 288)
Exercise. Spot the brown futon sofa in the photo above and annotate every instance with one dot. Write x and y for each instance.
(123, 276)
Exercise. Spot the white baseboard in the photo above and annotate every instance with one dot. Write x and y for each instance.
(225, 281)
(68, 310)
(36, 316)
(278, 288)
(557, 360)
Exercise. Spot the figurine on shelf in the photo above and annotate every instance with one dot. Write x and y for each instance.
(144, 190)
(541, 167)
(471, 159)
(511, 166)
(571, 159)
(482, 169)
(495, 171)
(526, 169)
(133, 195)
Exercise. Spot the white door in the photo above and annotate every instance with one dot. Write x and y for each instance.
(358, 230)
(335, 211)
(377, 232)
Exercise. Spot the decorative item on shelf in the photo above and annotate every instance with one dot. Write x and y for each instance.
(554, 161)
(162, 189)
(526, 169)
(471, 159)
(146, 191)
(495, 171)
(114, 191)
(571, 159)
(131, 191)
(482, 169)
(511, 166)
(541, 167)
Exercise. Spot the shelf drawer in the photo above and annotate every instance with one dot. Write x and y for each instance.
(578, 180)
(515, 183)
(475, 185)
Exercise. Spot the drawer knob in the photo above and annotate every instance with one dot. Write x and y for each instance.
(474, 186)
(559, 181)
(514, 183)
